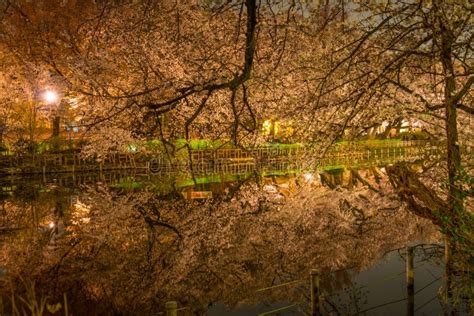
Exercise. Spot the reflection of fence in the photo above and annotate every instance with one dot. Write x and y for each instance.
(66, 180)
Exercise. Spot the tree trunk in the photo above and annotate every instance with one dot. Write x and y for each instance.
(455, 198)
(455, 203)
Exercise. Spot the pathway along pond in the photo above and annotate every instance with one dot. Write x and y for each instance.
(126, 244)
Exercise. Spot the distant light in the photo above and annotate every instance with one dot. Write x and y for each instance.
(50, 96)
(132, 148)
(276, 127)
(267, 127)
(51, 225)
(417, 124)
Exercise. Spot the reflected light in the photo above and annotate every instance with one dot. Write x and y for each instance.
(81, 213)
(308, 176)
(50, 96)
(270, 188)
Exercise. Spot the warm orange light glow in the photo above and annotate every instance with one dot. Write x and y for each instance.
(266, 127)
(50, 96)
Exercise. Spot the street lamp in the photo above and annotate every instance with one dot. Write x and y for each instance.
(50, 97)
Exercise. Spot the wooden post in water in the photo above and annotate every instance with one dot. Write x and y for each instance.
(448, 274)
(315, 294)
(171, 308)
(410, 277)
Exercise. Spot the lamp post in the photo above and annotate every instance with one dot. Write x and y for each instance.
(32, 127)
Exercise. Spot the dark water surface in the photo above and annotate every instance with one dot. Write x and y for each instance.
(126, 244)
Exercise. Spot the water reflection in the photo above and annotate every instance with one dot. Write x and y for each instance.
(126, 244)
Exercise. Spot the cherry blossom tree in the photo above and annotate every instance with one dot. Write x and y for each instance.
(213, 68)
(402, 59)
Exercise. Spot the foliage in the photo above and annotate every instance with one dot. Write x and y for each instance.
(32, 303)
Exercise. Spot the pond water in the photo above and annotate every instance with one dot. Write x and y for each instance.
(379, 290)
(127, 243)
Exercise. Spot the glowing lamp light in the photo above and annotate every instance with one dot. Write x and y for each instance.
(51, 225)
(50, 96)
(132, 148)
(266, 127)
